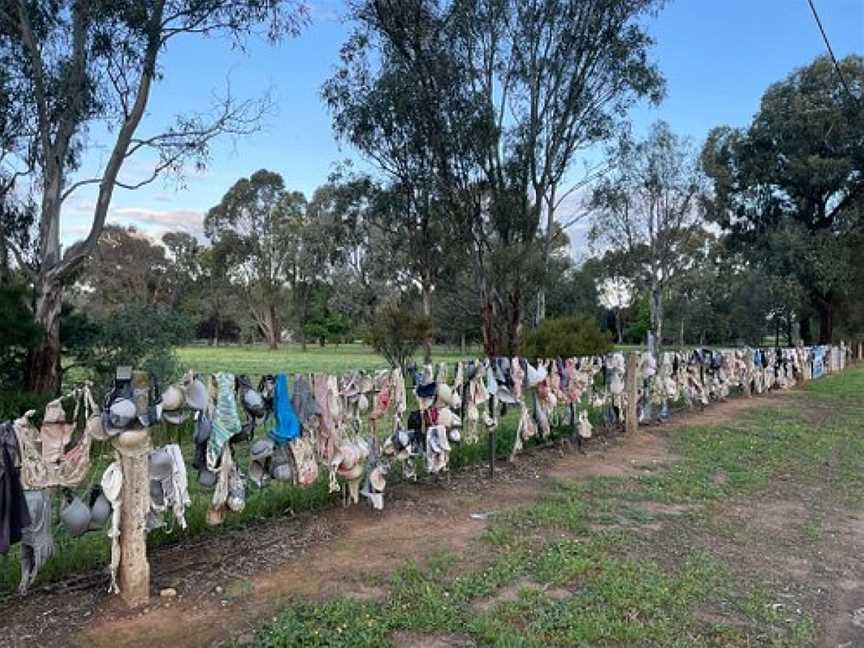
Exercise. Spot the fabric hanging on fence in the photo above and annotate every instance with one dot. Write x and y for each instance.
(304, 459)
(326, 445)
(112, 488)
(286, 426)
(37, 543)
(55, 432)
(218, 504)
(303, 400)
(818, 355)
(226, 418)
(173, 489)
(14, 514)
(50, 457)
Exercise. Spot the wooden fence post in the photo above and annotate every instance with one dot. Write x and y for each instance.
(134, 447)
(134, 570)
(493, 441)
(631, 378)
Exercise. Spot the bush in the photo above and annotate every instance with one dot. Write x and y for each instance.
(397, 332)
(566, 337)
(13, 403)
(18, 333)
(138, 335)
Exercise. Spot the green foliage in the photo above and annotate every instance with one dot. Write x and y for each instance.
(566, 337)
(640, 323)
(140, 335)
(788, 188)
(397, 332)
(13, 403)
(323, 324)
(254, 228)
(18, 333)
(419, 100)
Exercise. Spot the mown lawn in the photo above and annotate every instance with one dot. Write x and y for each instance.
(696, 554)
(288, 358)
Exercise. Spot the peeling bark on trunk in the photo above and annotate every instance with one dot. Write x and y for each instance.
(44, 361)
(514, 329)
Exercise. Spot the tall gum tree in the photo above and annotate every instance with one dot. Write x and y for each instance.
(796, 173)
(499, 96)
(648, 210)
(73, 68)
(254, 227)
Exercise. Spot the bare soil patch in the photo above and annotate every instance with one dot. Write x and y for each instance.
(413, 640)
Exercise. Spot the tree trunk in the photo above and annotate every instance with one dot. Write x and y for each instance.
(43, 371)
(426, 290)
(806, 333)
(303, 330)
(619, 329)
(462, 345)
(826, 322)
(273, 328)
(4, 256)
(655, 332)
(490, 343)
(540, 314)
(514, 329)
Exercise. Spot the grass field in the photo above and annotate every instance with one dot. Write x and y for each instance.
(258, 360)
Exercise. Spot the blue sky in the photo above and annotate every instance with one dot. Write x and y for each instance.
(718, 57)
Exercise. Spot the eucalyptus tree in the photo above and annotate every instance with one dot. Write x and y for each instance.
(78, 75)
(252, 228)
(483, 105)
(648, 210)
(796, 174)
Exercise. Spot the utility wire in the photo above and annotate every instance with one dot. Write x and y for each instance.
(831, 51)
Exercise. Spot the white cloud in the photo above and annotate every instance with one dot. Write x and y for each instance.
(151, 223)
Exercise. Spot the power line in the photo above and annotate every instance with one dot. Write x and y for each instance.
(831, 51)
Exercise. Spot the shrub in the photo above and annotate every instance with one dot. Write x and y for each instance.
(18, 333)
(13, 403)
(397, 332)
(138, 335)
(566, 337)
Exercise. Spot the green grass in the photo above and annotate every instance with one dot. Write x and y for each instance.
(617, 585)
(288, 358)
